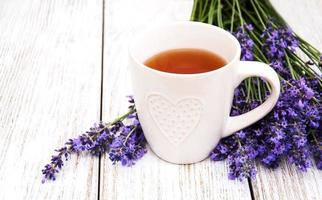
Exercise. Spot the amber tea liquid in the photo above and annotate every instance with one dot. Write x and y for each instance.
(185, 61)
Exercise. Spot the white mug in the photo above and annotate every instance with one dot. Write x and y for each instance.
(184, 116)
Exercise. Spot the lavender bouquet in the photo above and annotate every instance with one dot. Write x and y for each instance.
(291, 131)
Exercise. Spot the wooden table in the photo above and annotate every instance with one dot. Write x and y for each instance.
(63, 66)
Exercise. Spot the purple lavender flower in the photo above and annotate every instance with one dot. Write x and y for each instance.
(241, 165)
(276, 42)
(123, 143)
(95, 140)
(223, 149)
(56, 164)
(85, 142)
(131, 102)
(300, 157)
(101, 143)
(242, 35)
(79, 144)
(316, 151)
(128, 146)
(286, 132)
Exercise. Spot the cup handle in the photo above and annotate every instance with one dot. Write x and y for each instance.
(248, 69)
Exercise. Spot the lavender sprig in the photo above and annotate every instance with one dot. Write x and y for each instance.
(124, 142)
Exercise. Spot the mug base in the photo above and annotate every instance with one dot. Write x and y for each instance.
(179, 162)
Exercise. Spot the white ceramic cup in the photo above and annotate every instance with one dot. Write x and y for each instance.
(184, 116)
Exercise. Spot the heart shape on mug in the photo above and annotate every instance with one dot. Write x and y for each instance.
(175, 120)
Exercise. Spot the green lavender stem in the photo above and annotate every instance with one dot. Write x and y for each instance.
(214, 11)
(122, 117)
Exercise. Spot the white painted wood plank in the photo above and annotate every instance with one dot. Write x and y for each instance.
(49, 91)
(151, 178)
(305, 18)
(287, 182)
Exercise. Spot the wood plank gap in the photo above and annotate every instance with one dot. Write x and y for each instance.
(251, 191)
(101, 97)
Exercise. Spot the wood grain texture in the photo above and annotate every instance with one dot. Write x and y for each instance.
(50, 65)
(50, 70)
(287, 182)
(151, 178)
